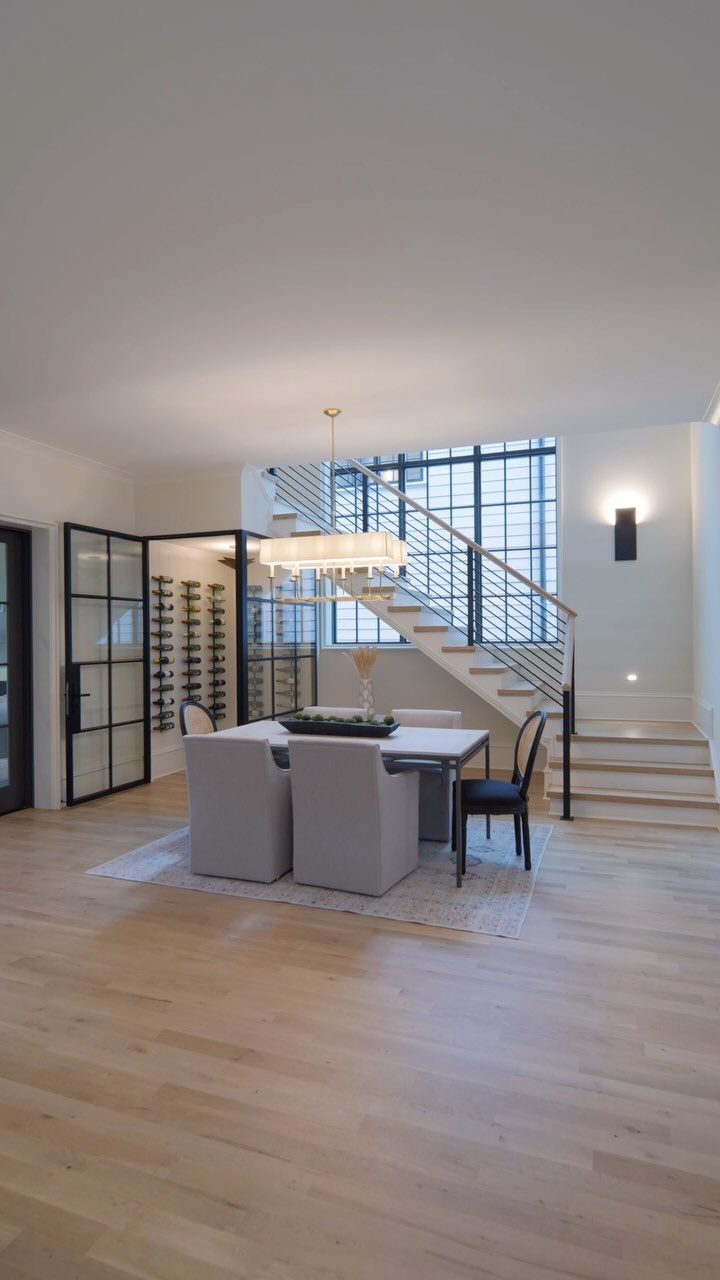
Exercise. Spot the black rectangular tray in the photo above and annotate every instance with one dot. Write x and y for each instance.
(332, 729)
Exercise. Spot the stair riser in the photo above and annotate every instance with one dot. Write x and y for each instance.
(663, 815)
(618, 780)
(640, 752)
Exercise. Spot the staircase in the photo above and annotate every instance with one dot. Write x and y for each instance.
(512, 644)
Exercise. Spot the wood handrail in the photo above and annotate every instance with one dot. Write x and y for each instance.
(429, 515)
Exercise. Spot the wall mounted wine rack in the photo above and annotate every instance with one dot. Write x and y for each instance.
(163, 719)
(216, 649)
(192, 648)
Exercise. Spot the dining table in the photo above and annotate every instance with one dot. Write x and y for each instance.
(452, 749)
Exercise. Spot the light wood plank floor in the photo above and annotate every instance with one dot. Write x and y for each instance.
(199, 1088)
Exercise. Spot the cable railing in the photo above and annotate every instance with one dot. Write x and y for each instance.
(522, 626)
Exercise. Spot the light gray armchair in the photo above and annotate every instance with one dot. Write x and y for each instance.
(355, 825)
(240, 809)
(435, 783)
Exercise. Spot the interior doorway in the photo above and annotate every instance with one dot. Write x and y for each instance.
(15, 671)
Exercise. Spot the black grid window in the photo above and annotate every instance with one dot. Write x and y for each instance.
(503, 496)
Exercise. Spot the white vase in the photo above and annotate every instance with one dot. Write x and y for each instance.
(367, 696)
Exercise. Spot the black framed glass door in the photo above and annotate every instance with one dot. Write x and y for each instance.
(106, 647)
(15, 671)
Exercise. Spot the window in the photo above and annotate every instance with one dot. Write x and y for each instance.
(503, 496)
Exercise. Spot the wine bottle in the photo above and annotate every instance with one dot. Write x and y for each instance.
(191, 648)
(163, 702)
(164, 727)
(191, 608)
(162, 648)
(190, 595)
(162, 635)
(197, 685)
(161, 591)
(190, 583)
(163, 661)
(161, 577)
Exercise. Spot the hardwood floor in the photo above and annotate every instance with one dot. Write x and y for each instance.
(195, 1087)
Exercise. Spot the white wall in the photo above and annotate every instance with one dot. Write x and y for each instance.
(633, 616)
(205, 502)
(179, 560)
(706, 580)
(405, 677)
(40, 488)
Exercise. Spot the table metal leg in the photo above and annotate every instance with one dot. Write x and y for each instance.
(487, 775)
(458, 824)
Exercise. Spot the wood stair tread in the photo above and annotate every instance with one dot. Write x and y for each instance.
(404, 608)
(487, 671)
(645, 741)
(636, 766)
(431, 627)
(517, 691)
(662, 798)
(458, 648)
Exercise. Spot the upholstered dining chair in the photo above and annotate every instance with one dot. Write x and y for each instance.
(195, 718)
(435, 788)
(355, 826)
(240, 808)
(493, 796)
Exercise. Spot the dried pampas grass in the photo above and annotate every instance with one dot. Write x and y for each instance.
(363, 659)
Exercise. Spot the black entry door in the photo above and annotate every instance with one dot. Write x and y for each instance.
(15, 671)
(106, 650)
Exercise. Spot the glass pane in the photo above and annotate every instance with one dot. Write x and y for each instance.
(305, 622)
(126, 570)
(259, 628)
(88, 563)
(89, 631)
(127, 691)
(286, 691)
(260, 702)
(285, 619)
(128, 754)
(93, 697)
(305, 692)
(91, 761)
(127, 631)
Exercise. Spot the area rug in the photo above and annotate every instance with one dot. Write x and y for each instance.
(494, 898)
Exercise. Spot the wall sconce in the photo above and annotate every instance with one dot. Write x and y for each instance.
(626, 533)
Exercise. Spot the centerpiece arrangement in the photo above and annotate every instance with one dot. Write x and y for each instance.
(340, 726)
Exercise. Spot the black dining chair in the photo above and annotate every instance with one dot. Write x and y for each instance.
(491, 797)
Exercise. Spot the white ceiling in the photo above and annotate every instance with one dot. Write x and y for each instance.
(461, 221)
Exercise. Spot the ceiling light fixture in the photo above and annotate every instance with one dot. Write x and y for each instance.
(344, 565)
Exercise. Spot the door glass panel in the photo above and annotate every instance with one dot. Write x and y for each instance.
(91, 763)
(89, 563)
(90, 630)
(94, 710)
(127, 631)
(126, 568)
(128, 754)
(259, 627)
(127, 691)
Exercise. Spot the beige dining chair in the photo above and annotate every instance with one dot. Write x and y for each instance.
(240, 808)
(435, 785)
(355, 826)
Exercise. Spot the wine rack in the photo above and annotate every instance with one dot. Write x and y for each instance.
(163, 719)
(216, 648)
(192, 648)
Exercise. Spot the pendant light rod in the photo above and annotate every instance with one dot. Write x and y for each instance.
(332, 415)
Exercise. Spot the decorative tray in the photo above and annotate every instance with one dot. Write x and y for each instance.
(341, 728)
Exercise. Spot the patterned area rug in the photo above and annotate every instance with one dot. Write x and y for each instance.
(494, 898)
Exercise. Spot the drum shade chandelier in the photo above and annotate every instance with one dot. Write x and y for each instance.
(344, 565)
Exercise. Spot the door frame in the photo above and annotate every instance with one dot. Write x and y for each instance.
(68, 528)
(24, 586)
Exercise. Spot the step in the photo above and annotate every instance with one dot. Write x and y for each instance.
(640, 806)
(285, 515)
(487, 671)
(516, 691)
(645, 750)
(437, 630)
(404, 608)
(458, 648)
(609, 775)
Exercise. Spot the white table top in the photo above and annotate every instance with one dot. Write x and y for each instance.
(409, 743)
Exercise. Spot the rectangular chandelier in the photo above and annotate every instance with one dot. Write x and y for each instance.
(343, 552)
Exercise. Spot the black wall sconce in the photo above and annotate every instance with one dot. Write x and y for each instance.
(626, 533)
